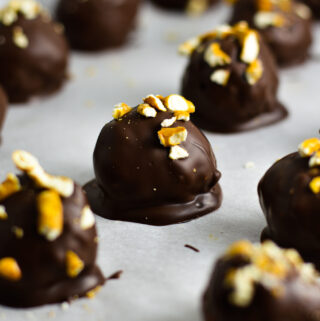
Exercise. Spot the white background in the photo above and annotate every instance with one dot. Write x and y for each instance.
(162, 280)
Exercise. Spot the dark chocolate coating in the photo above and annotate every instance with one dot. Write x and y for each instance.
(290, 44)
(44, 279)
(314, 5)
(137, 181)
(238, 106)
(176, 4)
(300, 302)
(3, 108)
(39, 69)
(97, 24)
(290, 207)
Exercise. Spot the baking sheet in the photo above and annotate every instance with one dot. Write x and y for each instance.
(162, 280)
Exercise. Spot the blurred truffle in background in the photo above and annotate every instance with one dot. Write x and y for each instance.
(94, 25)
(285, 26)
(232, 78)
(33, 51)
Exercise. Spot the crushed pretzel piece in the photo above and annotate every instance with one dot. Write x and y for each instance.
(50, 217)
(182, 115)
(3, 213)
(155, 102)
(254, 71)
(220, 77)
(215, 56)
(178, 103)
(9, 269)
(87, 219)
(172, 136)
(303, 11)
(18, 232)
(74, 264)
(92, 293)
(168, 122)
(250, 47)
(189, 46)
(243, 247)
(120, 110)
(147, 111)
(30, 165)
(315, 159)
(309, 146)
(177, 152)
(315, 185)
(19, 38)
(10, 186)
(265, 19)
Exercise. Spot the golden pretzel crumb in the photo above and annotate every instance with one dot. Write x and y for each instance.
(309, 146)
(172, 136)
(3, 213)
(315, 159)
(315, 185)
(120, 110)
(177, 152)
(155, 102)
(265, 19)
(9, 269)
(50, 214)
(19, 38)
(178, 103)
(182, 115)
(250, 47)
(30, 165)
(92, 293)
(74, 264)
(10, 186)
(168, 122)
(189, 46)
(87, 218)
(146, 110)
(220, 77)
(215, 56)
(254, 71)
(18, 232)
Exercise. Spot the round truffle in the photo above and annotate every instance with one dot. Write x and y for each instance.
(314, 5)
(289, 196)
(153, 166)
(191, 6)
(262, 282)
(284, 25)
(232, 79)
(94, 25)
(33, 51)
(47, 236)
(3, 108)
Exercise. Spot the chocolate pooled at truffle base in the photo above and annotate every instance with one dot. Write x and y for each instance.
(3, 108)
(48, 238)
(97, 24)
(232, 79)
(262, 283)
(138, 179)
(284, 25)
(33, 51)
(289, 195)
(192, 6)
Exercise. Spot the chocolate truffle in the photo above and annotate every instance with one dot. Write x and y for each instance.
(33, 51)
(94, 25)
(48, 238)
(153, 166)
(232, 79)
(262, 283)
(285, 26)
(191, 6)
(3, 108)
(289, 196)
(315, 7)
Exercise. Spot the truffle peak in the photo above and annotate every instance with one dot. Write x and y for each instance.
(268, 265)
(30, 9)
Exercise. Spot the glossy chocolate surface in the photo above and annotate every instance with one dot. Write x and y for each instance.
(237, 106)
(179, 4)
(97, 24)
(290, 207)
(298, 300)
(137, 181)
(289, 43)
(3, 108)
(41, 67)
(42, 262)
